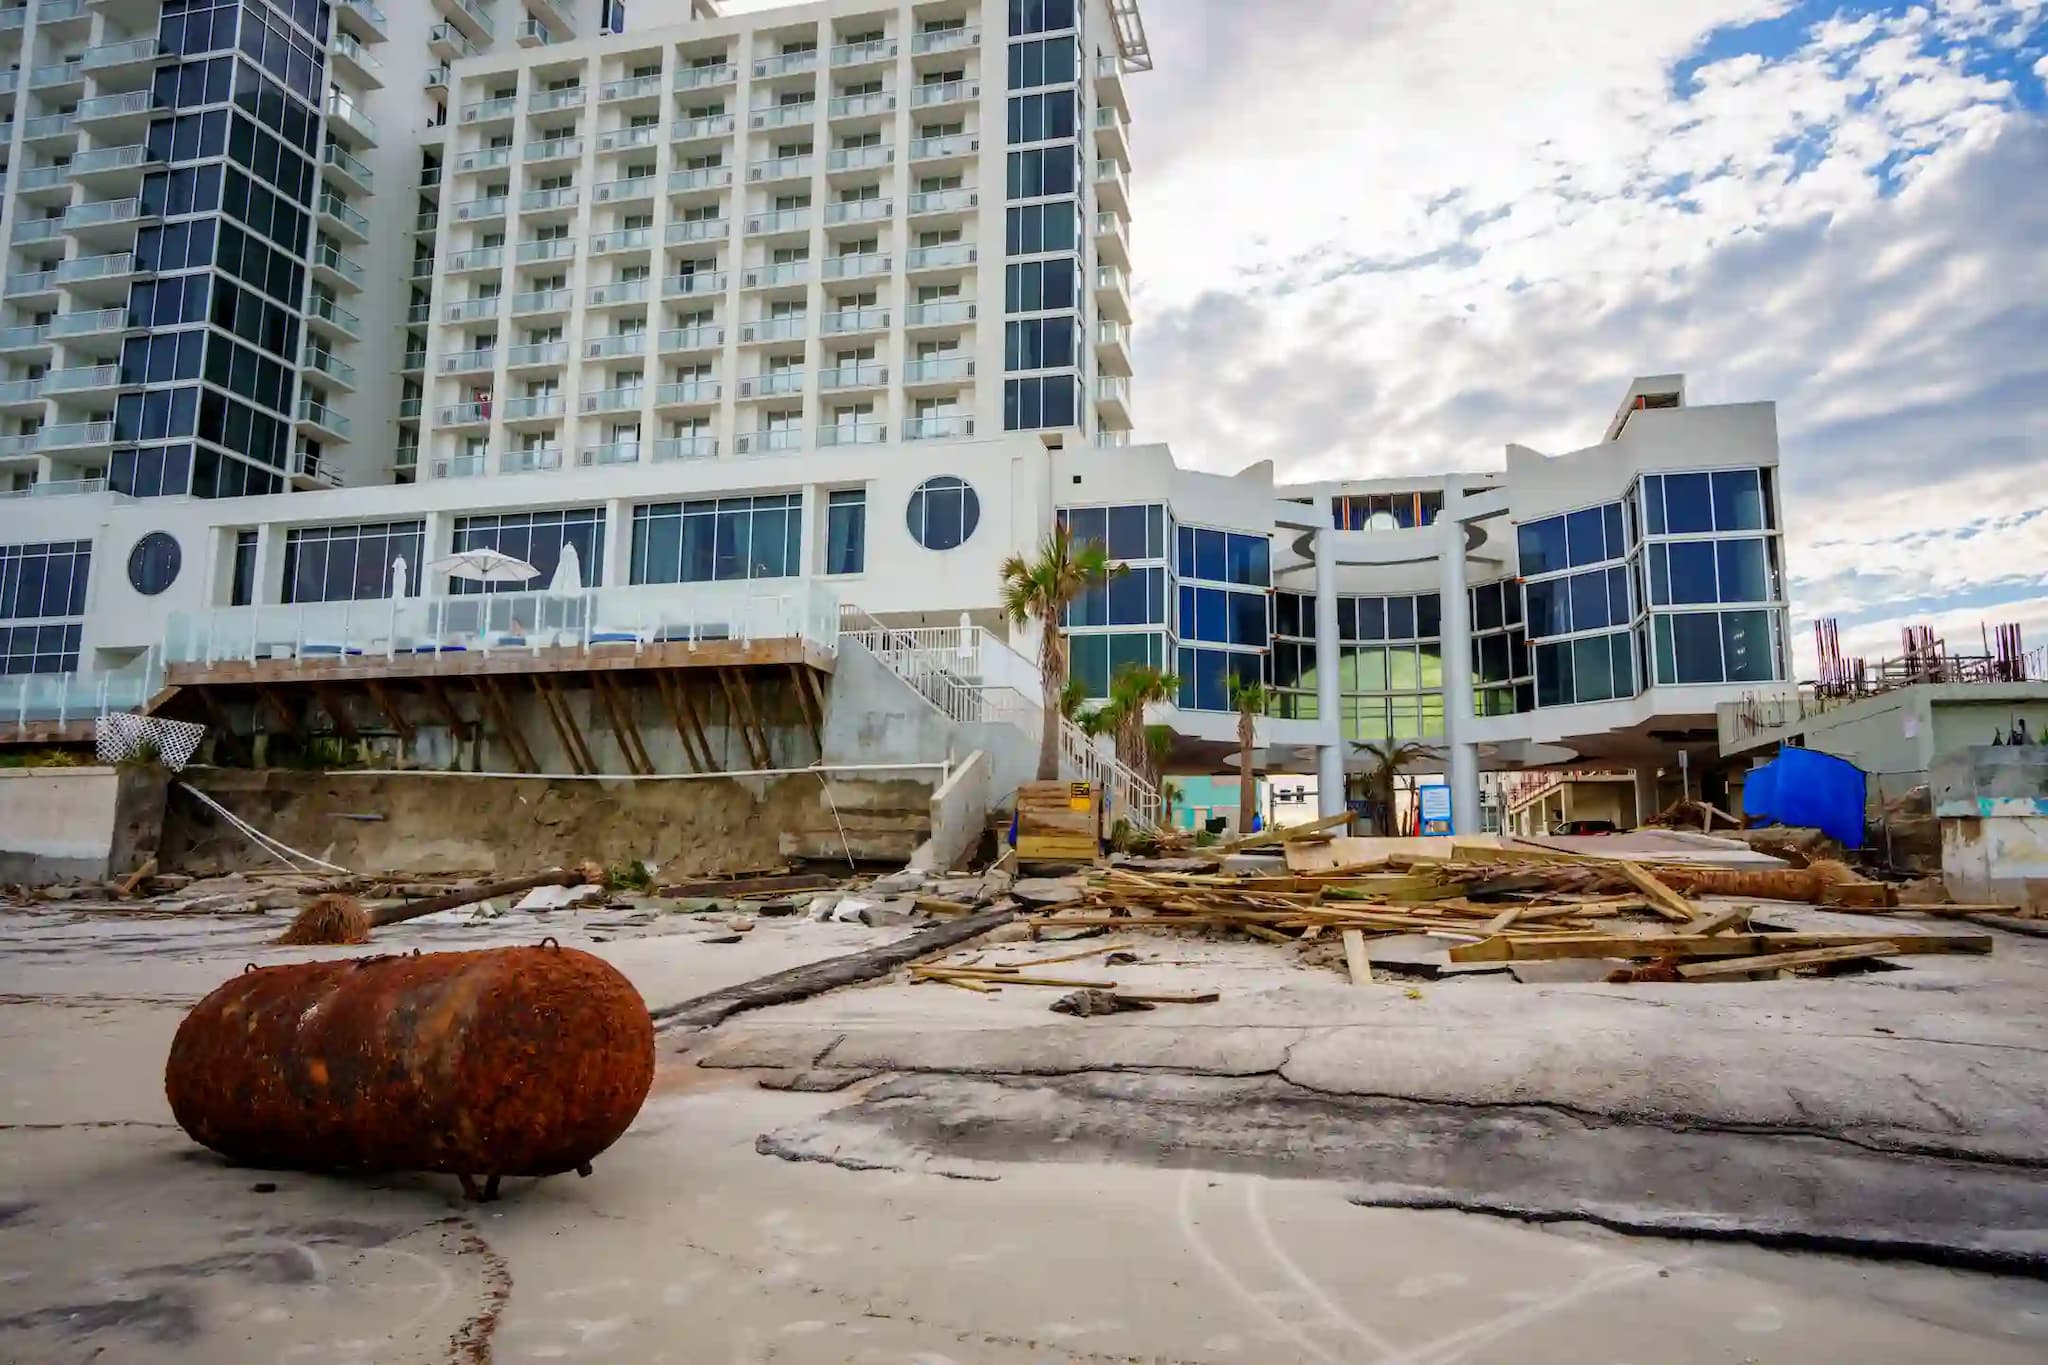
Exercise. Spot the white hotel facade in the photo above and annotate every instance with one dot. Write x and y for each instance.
(828, 302)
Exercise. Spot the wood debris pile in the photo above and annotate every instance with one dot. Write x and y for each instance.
(1490, 905)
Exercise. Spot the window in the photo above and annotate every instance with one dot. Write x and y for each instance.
(1207, 677)
(1724, 500)
(539, 538)
(1224, 556)
(39, 649)
(1046, 171)
(1714, 647)
(1096, 660)
(1040, 16)
(943, 513)
(1031, 404)
(1041, 343)
(351, 562)
(1035, 228)
(44, 579)
(1041, 286)
(1042, 118)
(1702, 572)
(846, 531)
(718, 540)
(154, 562)
(242, 589)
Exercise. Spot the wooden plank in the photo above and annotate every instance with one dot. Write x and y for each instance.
(287, 719)
(389, 706)
(1355, 959)
(813, 683)
(780, 883)
(1013, 978)
(547, 705)
(576, 735)
(739, 724)
(744, 685)
(1286, 834)
(665, 685)
(1066, 957)
(812, 719)
(1663, 900)
(1505, 948)
(1499, 923)
(1777, 962)
(437, 697)
(623, 732)
(504, 662)
(1169, 997)
(334, 707)
(507, 727)
(1732, 917)
(624, 694)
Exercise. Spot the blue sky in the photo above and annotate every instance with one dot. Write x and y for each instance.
(1364, 249)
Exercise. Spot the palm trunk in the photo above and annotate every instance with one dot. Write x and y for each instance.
(1247, 780)
(1051, 678)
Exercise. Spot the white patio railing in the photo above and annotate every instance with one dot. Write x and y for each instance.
(61, 698)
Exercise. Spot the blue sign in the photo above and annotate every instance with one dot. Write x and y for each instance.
(1436, 809)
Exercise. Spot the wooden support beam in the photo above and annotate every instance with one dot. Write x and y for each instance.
(585, 759)
(739, 722)
(437, 696)
(388, 704)
(1536, 948)
(688, 705)
(1737, 967)
(745, 687)
(813, 684)
(808, 706)
(287, 719)
(665, 685)
(622, 730)
(216, 715)
(487, 688)
(547, 704)
(336, 709)
(620, 686)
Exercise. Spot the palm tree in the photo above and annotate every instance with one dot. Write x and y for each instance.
(1134, 688)
(1040, 590)
(1390, 758)
(1250, 699)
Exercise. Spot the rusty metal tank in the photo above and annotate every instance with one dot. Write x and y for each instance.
(508, 1061)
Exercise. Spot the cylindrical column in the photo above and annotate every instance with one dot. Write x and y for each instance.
(1329, 660)
(1462, 754)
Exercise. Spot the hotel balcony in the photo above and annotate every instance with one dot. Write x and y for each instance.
(48, 186)
(706, 77)
(74, 436)
(1109, 84)
(338, 218)
(469, 362)
(1112, 347)
(546, 249)
(405, 459)
(543, 303)
(27, 337)
(559, 15)
(111, 116)
(686, 448)
(322, 361)
(335, 269)
(533, 32)
(82, 379)
(852, 434)
(768, 441)
(950, 258)
(697, 285)
(785, 64)
(109, 273)
(464, 466)
(557, 203)
(706, 128)
(689, 340)
(536, 355)
(1113, 402)
(938, 372)
(133, 54)
(32, 284)
(628, 190)
(533, 461)
(482, 159)
(111, 170)
(308, 471)
(699, 179)
(50, 129)
(482, 260)
(779, 221)
(1112, 133)
(632, 88)
(627, 139)
(843, 211)
(618, 346)
(796, 114)
(778, 169)
(852, 322)
(943, 313)
(951, 147)
(345, 114)
(940, 94)
(684, 231)
(330, 319)
(850, 160)
(609, 453)
(339, 164)
(689, 393)
(616, 400)
(464, 415)
(364, 20)
(21, 395)
(764, 330)
(411, 361)
(841, 378)
(773, 384)
(58, 80)
(484, 112)
(624, 241)
(874, 104)
(538, 407)
(553, 149)
(947, 426)
(106, 222)
(480, 210)
(952, 206)
(474, 310)
(620, 292)
(861, 265)
(468, 16)
(1113, 239)
(945, 40)
(547, 101)
(873, 52)
(1112, 293)
(354, 60)
(321, 422)
(782, 275)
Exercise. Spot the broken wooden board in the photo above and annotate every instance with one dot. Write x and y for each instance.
(1355, 959)
(1716, 921)
(1505, 948)
(1736, 968)
(1663, 900)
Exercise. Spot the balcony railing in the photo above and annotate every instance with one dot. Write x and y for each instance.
(772, 384)
(686, 286)
(853, 433)
(324, 307)
(686, 448)
(108, 159)
(483, 159)
(856, 106)
(32, 282)
(554, 148)
(940, 314)
(859, 210)
(625, 239)
(615, 346)
(785, 64)
(710, 125)
(626, 139)
(769, 441)
(704, 337)
(562, 198)
(697, 230)
(951, 145)
(856, 265)
(795, 113)
(699, 178)
(530, 461)
(546, 101)
(547, 249)
(780, 168)
(781, 273)
(533, 354)
(477, 258)
(938, 427)
(533, 406)
(774, 329)
(340, 106)
(463, 415)
(705, 77)
(461, 466)
(113, 106)
(480, 210)
(333, 259)
(626, 399)
(871, 157)
(82, 377)
(610, 453)
(469, 362)
(346, 45)
(73, 435)
(945, 40)
(862, 54)
(632, 87)
(119, 54)
(623, 190)
(351, 166)
(870, 375)
(779, 220)
(847, 320)
(21, 390)
(688, 391)
(943, 92)
(337, 209)
(473, 310)
(487, 111)
(103, 213)
(533, 33)
(543, 301)
(953, 255)
(943, 201)
(25, 336)
(324, 361)
(316, 413)
(938, 370)
(620, 291)
(79, 269)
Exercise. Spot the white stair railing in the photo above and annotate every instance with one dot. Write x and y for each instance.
(949, 666)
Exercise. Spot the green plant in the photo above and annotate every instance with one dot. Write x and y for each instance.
(1250, 700)
(1204, 839)
(147, 755)
(1039, 590)
(317, 753)
(1389, 759)
(629, 876)
(47, 758)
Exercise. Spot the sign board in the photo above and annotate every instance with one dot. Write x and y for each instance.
(1436, 809)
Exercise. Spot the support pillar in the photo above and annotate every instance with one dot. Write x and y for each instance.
(1329, 664)
(1461, 752)
(1647, 803)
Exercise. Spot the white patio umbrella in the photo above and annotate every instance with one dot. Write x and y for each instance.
(398, 577)
(484, 566)
(568, 579)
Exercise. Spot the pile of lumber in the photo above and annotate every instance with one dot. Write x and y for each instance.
(1493, 905)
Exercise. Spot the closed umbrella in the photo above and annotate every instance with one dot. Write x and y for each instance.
(568, 578)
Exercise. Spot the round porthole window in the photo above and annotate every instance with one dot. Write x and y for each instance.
(943, 513)
(154, 562)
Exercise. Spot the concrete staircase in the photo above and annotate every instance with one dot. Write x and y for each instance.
(972, 676)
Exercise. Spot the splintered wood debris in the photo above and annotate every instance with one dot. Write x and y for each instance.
(1487, 905)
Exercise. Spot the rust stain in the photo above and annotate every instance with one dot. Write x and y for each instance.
(510, 1061)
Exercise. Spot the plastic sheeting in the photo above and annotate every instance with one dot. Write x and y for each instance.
(1810, 790)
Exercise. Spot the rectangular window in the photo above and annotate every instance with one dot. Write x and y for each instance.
(846, 531)
(351, 562)
(44, 579)
(242, 592)
(1040, 16)
(542, 539)
(718, 540)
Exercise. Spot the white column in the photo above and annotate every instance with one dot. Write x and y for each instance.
(1329, 660)
(1647, 804)
(617, 569)
(1456, 615)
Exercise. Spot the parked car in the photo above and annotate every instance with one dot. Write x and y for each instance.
(1584, 827)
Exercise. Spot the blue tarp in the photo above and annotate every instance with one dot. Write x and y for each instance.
(1810, 790)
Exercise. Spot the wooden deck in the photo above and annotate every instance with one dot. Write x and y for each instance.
(47, 732)
(502, 662)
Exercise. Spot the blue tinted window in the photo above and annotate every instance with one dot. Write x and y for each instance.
(1542, 546)
(1692, 571)
(1554, 675)
(1127, 532)
(1212, 681)
(1185, 624)
(1212, 615)
(1371, 623)
(1400, 618)
(1127, 599)
(1738, 501)
(1090, 664)
(1184, 551)
(1653, 503)
(1592, 669)
(1247, 560)
(1619, 609)
(1248, 619)
(1623, 647)
(1586, 536)
(1086, 524)
(1617, 538)
(1746, 646)
(1688, 504)
(1211, 557)
(1549, 608)
(1429, 615)
(1589, 600)
(1743, 575)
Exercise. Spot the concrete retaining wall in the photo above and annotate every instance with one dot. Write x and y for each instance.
(57, 824)
(959, 816)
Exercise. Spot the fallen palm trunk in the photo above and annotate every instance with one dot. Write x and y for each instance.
(330, 920)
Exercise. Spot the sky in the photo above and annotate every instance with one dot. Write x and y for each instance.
(1379, 237)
